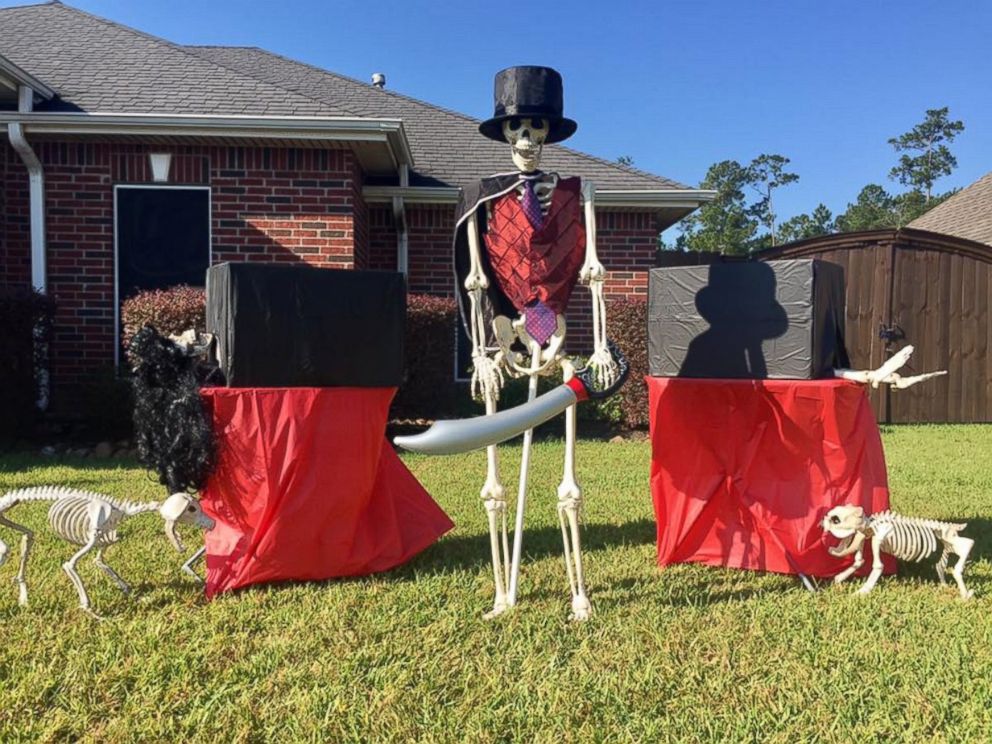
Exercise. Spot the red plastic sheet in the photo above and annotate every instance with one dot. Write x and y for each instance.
(743, 471)
(307, 488)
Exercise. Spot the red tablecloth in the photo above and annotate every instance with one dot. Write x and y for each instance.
(307, 487)
(742, 471)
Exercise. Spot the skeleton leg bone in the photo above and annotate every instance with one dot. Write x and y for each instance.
(518, 524)
(27, 538)
(961, 546)
(193, 560)
(569, 505)
(115, 577)
(942, 565)
(494, 498)
(859, 560)
(876, 564)
(70, 569)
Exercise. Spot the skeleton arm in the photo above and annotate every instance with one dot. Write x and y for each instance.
(887, 374)
(487, 377)
(593, 273)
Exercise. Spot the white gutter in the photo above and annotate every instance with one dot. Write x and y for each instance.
(315, 128)
(36, 198)
(630, 198)
(399, 216)
(36, 191)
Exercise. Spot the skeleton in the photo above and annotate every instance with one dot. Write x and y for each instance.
(887, 374)
(906, 538)
(526, 137)
(90, 520)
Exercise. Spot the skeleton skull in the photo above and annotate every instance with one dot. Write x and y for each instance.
(843, 522)
(526, 137)
(182, 508)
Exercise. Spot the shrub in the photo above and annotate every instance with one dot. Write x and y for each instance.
(628, 322)
(171, 310)
(25, 318)
(429, 389)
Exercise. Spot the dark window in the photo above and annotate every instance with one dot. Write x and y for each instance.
(163, 238)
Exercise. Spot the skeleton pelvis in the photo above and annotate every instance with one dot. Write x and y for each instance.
(521, 354)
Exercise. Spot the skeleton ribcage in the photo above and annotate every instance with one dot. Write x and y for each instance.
(70, 520)
(909, 540)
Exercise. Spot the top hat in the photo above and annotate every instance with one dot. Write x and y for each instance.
(533, 92)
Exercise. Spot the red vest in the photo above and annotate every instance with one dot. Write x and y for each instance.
(540, 264)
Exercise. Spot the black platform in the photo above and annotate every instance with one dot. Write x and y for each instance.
(778, 319)
(299, 326)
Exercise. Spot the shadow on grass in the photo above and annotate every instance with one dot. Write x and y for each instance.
(455, 553)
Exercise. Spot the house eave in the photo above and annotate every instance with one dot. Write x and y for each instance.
(628, 198)
(13, 76)
(670, 205)
(381, 144)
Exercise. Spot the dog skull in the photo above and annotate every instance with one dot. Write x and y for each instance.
(526, 137)
(182, 508)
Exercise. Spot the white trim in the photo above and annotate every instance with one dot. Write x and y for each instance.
(36, 199)
(315, 128)
(22, 77)
(210, 245)
(630, 198)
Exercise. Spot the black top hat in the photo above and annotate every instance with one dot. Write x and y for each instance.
(533, 92)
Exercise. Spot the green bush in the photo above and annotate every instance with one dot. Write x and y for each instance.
(429, 390)
(627, 325)
(171, 310)
(25, 329)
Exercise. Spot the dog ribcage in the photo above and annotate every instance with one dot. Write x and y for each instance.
(911, 539)
(70, 520)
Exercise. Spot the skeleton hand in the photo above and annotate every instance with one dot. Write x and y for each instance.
(487, 378)
(604, 366)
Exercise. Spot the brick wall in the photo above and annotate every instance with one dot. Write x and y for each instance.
(267, 204)
(15, 220)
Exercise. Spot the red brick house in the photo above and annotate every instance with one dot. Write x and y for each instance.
(127, 161)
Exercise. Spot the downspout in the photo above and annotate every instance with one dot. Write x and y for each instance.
(36, 191)
(36, 196)
(399, 215)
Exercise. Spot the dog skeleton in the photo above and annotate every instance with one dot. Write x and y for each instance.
(906, 538)
(90, 520)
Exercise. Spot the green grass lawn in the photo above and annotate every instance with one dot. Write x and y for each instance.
(689, 653)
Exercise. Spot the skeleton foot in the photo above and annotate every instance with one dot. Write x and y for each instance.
(499, 607)
(581, 608)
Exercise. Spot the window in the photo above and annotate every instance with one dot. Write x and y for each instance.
(162, 238)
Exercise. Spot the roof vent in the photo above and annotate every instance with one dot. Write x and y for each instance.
(378, 80)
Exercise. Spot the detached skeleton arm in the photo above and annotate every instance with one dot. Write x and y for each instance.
(487, 377)
(593, 274)
(887, 374)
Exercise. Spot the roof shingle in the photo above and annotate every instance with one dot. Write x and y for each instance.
(96, 65)
(967, 214)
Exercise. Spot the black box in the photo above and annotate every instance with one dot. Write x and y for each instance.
(775, 319)
(299, 326)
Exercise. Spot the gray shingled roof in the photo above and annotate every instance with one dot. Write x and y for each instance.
(97, 65)
(446, 145)
(967, 214)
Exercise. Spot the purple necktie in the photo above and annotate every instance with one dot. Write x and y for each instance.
(532, 206)
(540, 321)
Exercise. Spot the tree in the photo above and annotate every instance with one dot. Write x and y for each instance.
(726, 224)
(877, 209)
(802, 226)
(767, 173)
(625, 160)
(873, 210)
(934, 159)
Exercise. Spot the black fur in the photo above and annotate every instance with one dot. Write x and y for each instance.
(172, 429)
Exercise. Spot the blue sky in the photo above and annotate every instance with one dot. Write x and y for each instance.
(675, 85)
